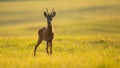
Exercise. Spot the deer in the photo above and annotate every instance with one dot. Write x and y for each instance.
(46, 33)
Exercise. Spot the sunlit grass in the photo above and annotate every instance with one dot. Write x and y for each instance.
(87, 34)
(78, 51)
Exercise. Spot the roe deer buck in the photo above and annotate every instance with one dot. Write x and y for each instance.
(46, 33)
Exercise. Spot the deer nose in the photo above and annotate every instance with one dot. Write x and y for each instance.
(49, 22)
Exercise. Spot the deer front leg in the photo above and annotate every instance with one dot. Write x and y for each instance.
(51, 48)
(47, 48)
(39, 41)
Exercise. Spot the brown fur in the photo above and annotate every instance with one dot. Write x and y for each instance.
(46, 34)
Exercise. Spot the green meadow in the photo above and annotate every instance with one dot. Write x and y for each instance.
(87, 34)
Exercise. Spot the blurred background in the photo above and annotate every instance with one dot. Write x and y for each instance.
(77, 17)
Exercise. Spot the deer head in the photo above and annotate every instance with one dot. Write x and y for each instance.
(49, 16)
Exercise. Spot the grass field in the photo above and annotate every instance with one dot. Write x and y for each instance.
(87, 34)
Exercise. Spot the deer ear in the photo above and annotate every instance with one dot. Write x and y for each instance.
(54, 13)
(45, 14)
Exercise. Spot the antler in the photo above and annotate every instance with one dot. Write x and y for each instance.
(52, 10)
(47, 11)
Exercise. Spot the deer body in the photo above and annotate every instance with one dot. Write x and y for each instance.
(46, 33)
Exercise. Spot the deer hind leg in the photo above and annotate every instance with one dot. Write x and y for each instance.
(38, 43)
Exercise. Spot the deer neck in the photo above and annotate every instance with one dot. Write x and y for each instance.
(49, 28)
